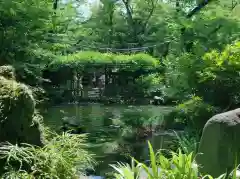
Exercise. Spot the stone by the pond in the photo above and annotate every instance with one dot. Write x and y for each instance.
(220, 143)
(72, 125)
(72, 121)
(17, 108)
(157, 100)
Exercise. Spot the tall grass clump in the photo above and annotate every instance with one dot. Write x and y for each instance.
(187, 142)
(179, 166)
(63, 157)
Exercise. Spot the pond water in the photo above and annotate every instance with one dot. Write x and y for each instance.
(112, 130)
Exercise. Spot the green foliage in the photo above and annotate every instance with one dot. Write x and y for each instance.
(221, 75)
(187, 142)
(213, 27)
(62, 157)
(101, 60)
(23, 22)
(180, 76)
(124, 171)
(133, 121)
(136, 118)
(194, 113)
(149, 85)
(122, 72)
(145, 23)
(179, 165)
(29, 32)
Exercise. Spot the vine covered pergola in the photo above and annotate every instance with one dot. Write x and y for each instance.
(112, 74)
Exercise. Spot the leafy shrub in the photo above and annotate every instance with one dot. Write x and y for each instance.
(193, 113)
(134, 117)
(149, 85)
(180, 76)
(137, 121)
(83, 59)
(220, 75)
(211, 75)
(63, 157)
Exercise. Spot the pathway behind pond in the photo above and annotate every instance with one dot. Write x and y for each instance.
(107, 136)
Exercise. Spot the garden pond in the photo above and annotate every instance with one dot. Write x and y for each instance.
(111, 130)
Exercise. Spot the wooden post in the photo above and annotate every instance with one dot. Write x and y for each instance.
(106, 76)
(78, 85)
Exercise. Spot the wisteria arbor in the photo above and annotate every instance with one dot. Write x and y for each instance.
(81, 75)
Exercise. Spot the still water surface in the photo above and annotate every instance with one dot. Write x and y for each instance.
(108, 137)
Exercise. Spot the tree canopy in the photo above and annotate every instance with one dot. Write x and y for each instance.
(177, 35)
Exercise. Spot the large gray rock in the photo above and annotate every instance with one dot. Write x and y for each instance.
(220, 143)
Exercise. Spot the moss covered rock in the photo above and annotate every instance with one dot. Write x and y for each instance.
(219, 144)
(7, 72)
(17, 108)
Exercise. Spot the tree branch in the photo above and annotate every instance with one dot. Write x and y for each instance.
(220, 25)
(55, 4)
(128, 9)
(149, 16)
(198, 8)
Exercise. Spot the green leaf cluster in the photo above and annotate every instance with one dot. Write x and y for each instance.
(193, 113)
(220, 73)
(101, 60)
(179, 165)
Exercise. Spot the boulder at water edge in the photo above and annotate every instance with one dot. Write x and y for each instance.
(17, 108)
(220, 143)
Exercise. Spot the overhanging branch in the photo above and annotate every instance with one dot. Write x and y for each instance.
(55, 4)
(198, 8)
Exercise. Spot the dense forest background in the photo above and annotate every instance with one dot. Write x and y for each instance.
(186, 37)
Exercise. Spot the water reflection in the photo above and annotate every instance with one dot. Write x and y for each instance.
(114, 132)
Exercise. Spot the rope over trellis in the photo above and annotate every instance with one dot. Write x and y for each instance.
(122, 50)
